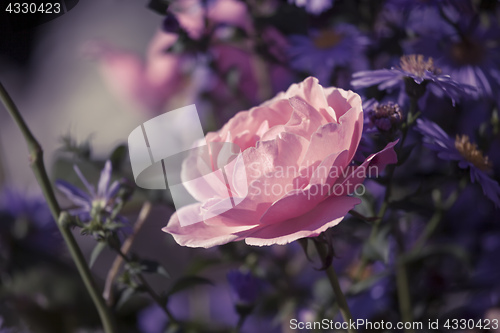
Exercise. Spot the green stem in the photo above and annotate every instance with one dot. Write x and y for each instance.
(35, 153)
(339, 295)
(376, 225)
(158, 300)
(403, 289)
(429, 229)
(38, 167)
(441, 208)
(64, 224)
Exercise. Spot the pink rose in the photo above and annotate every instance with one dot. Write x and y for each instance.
(297, 150)
(150, 83)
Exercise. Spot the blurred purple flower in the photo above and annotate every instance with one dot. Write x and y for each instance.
(315, 7)
(328, 50)
(464, 152)
(103, 200)
(413, 67)
(26, 218)
(153, 319)
(470, 53)
(244, 286)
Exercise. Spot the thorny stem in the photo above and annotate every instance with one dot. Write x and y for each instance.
(63, 219)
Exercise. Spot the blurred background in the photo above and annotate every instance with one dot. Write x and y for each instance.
(86, 79)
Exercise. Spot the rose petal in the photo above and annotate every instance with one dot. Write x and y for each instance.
(357, 175)
(325, 215)
(199, 234)
(300, 201)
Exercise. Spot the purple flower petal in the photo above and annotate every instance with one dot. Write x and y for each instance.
(89, 187)
(102, 187)
(491, 189)
(74, 194)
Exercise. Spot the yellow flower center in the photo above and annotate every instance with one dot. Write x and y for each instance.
(327, 39)
(470, 152)
(415, 64)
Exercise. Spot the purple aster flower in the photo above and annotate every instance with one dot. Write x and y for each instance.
(103, 201)
(25, 219)
(315, 7)
(470, 53)
(412, 67)
(329, 50)
(464, 152)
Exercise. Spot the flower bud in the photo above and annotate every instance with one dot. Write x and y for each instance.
(386, 116)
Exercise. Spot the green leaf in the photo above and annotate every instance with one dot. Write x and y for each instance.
(186, 283)
(118, 156)
(124, 297)
(378, 247)
(96, 252)
(134, 268)
(162, 271)
(149, 266)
